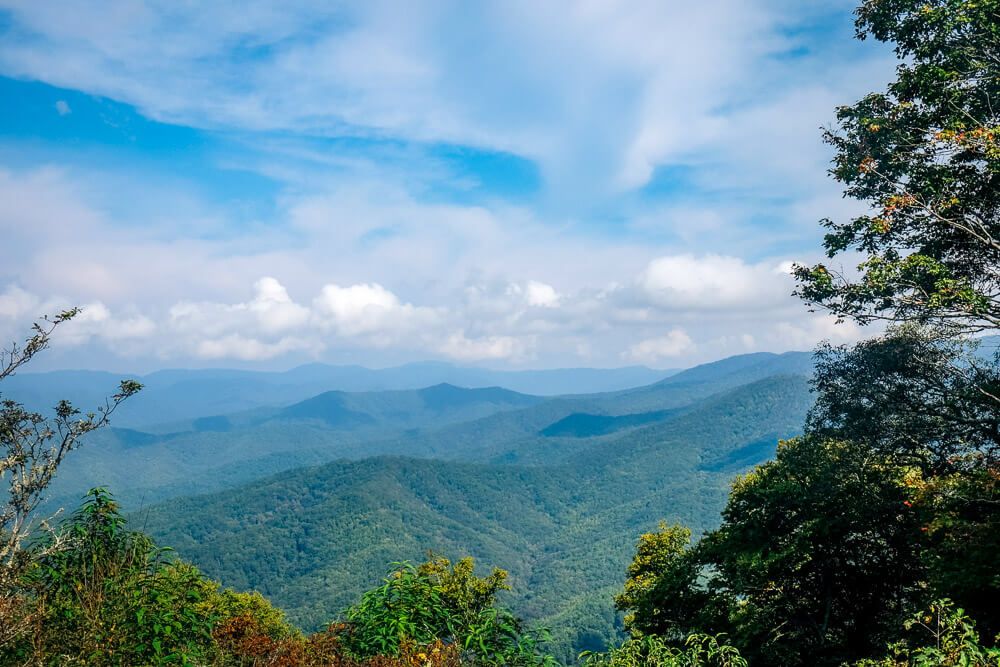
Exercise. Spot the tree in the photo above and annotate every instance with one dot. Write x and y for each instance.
(929, 403)
(32, 447)
(816, 561)
(820, 546)
(961, 541)
(925, 157)
(652, 651)
(946, 637)
(915, 394)
(466, 596)
(108, 595)
(662, 595)
(439, 602)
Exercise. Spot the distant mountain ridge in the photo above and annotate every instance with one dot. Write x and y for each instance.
(442, 421)
(177, 395)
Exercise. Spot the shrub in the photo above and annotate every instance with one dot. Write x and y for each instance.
(653, 651)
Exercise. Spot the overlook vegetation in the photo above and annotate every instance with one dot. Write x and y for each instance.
(841, 508)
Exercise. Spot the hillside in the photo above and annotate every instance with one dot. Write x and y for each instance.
(227, 450)
(313, 538)
(216, 452)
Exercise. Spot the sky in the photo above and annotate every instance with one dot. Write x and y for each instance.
(506, 184)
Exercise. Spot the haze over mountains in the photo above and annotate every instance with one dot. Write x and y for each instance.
(171, 395)
(319, 477)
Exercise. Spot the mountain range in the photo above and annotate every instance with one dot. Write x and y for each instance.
(310, 500)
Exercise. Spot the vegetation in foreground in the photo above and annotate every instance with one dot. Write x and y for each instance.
(872, 540)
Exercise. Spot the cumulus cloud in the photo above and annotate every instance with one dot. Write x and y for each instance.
(714, 282)
(235, 346)
(635, 321)
(95, 321)
(271, 312)
(458, 346)
(274, 309)
(804, 334)
(371, 310)
(653, 350)
(535, 294)
(366, 253)
(17, 303)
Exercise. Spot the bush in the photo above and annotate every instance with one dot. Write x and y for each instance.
(653, 651)
(108, 596)
(438, 602)
(946, 637)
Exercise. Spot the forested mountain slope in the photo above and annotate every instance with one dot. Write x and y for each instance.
(313, 538)
(444, 421)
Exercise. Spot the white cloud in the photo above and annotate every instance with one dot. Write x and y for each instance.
(62, 108)
(370, 309)
(372, 254)
(501, 325)
(274, 309)
(540, 294)
(451, 281)
(235, 346)
(95, 322)
(713, 282)
(535, 294)
(652, 350)
(17, 303)
(458, 346)
(805, 334)
(271, 312)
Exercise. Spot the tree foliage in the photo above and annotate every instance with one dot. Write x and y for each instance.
(107, 595)
(661, 594)
(916, 394)
(653, 651)
(819, 548)
(925, 157)
(32, 447)
(439, 601)
(943, 636)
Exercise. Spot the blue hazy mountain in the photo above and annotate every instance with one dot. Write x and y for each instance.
(174, 395)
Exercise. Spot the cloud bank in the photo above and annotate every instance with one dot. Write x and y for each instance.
(506, 183)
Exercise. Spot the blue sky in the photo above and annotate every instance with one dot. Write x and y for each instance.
(512, 184)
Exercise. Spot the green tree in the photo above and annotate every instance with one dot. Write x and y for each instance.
(961, 541)
(465, 596)
(438, 602)
(820, 546)
(925, 157)
(108, 596)
(928, 402)
(945, 637)
(817, 560)
(916, 394)
(651, 651)
(32, 447)
(662, 594)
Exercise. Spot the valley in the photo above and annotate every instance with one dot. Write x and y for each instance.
(311, 502)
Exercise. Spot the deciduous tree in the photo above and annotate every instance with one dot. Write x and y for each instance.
(924, 156)
(32, 447)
